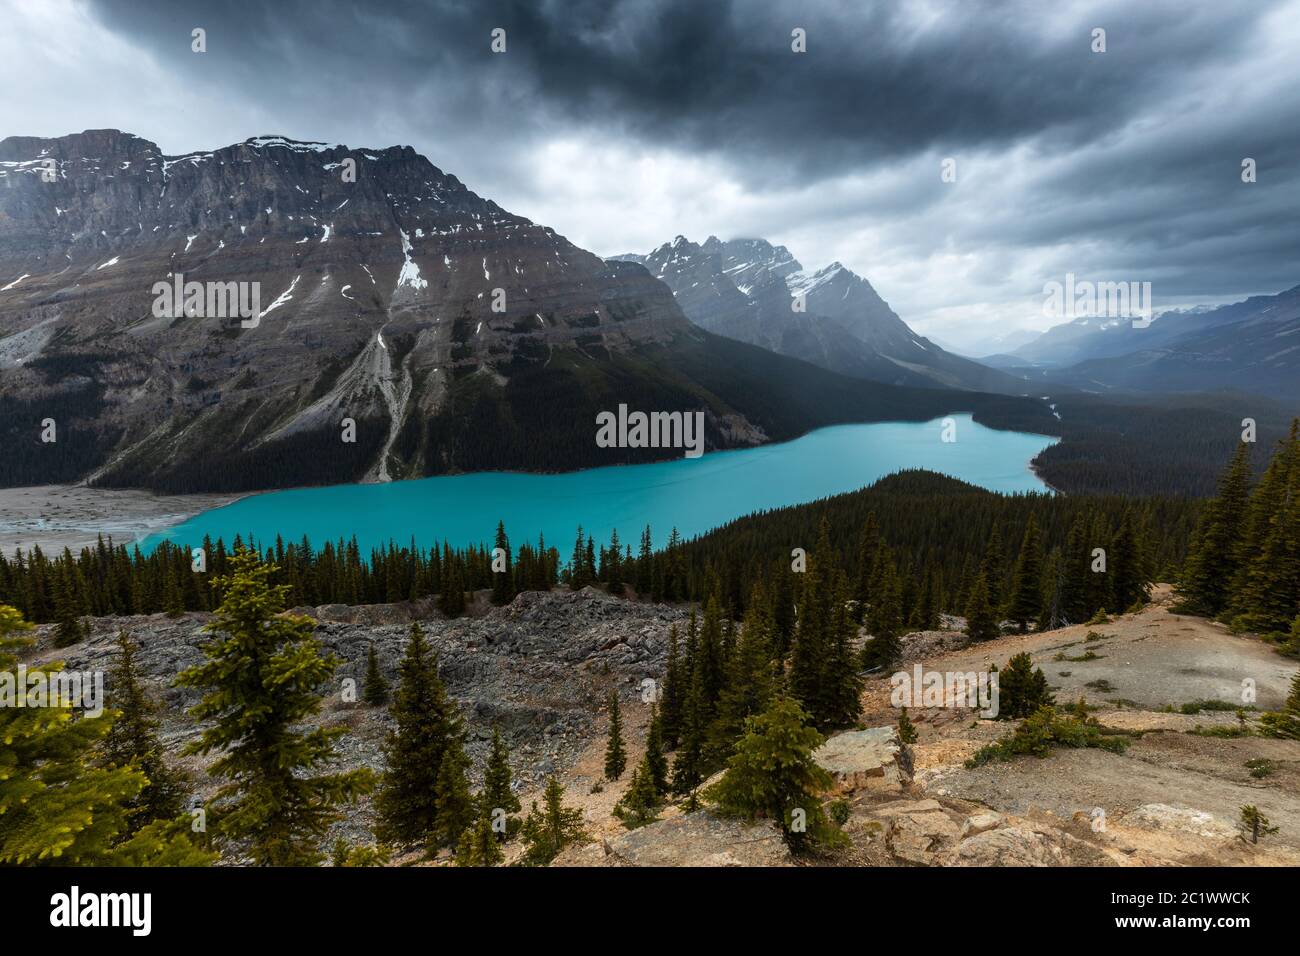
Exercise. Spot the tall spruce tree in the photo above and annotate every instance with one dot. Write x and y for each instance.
(750, 679)
(132, 741)
(503, 579)
(374, 688)
(427, 727)
(615, 752)
(1025, 602)
(981, 620)
(885, 617)
(260, 680)
(1216, 545)
(656, 762)
(498, 794)
(674, 693)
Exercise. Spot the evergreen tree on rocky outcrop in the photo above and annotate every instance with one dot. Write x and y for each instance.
(374, 688)
(550, 828)
(259, 682)
(640, 804)
(132, 741)
(656, 762)
(428, 727)
(479, 845)
(773, 775)
(498, 794)
(615, 752)
(453, 804)
(1025, 600)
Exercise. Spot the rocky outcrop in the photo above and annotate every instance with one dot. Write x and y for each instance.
(862, 759)
(695, 839)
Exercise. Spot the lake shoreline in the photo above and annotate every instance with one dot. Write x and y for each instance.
(55, 517)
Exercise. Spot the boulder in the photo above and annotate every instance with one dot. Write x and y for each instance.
(862, 759)
(700, 839)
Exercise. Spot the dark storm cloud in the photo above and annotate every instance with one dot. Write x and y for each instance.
(720, 75)
(1120, 165)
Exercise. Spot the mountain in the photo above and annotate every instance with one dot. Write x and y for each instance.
(444, 332)
(1250, 346)
(747, 289)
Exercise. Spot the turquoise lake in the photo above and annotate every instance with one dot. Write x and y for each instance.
(693, 495)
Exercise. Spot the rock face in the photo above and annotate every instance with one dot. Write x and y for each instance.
(862, 759)
(744, 289)
(385, 297)
(539, 668)
(699, 839)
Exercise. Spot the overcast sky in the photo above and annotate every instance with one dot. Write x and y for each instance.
(623, 124)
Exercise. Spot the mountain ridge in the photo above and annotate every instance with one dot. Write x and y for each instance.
(377, 307)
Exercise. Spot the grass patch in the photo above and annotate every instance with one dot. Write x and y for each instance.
(1081, 658)
(1260, 767)
(1104, 686)
(1043, 731)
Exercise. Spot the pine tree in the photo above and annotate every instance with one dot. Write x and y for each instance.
(374, 689)
(1253, 824)
(578, 565)
(750, 681)
(427, 727)
(1216, 546)
(1022, 689)
(1127, 567)
(132, 741)
(479, 845)
(645, 565)
(498, 794)
(503, 582)
(656, 762)
(260, 679)
(57, 805)
(981, 620)
(551, 828)
(1025, 601)
(640, 804)
(453, 804)
(70, 629)
(906, 729)
(841, 697)
(773, 775)
(885, 617)
(615, 754)
(674, 693)
(614, 565)
(689, 765)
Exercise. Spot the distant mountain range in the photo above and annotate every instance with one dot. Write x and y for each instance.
(1251, 346)
(749, 289)
(454, 335)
